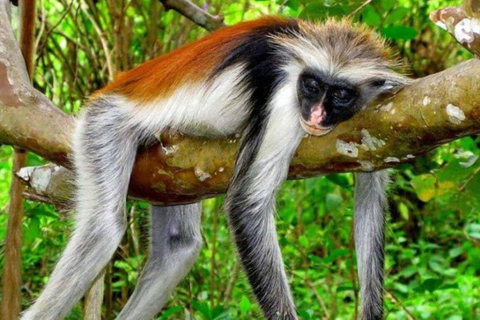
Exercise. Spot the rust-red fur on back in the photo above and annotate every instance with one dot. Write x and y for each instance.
(191, 63)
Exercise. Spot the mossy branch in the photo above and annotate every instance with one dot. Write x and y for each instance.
(463, 23)
(179, 169)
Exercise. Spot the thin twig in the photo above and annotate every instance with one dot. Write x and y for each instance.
(354, 12)
(464, 185)
(50, 30)
(231, 283)
(213, 264)
(393, 298)
(351, 249)
(103, 41)
(195, 14)
(43, 25)
(319, 298)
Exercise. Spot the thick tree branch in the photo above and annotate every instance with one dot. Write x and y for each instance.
(463, 23)
(49, 183)
(194, 13)
(432, 111)
(12, 277)
(27, 117)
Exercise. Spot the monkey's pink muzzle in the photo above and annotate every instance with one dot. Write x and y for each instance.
(313, 126)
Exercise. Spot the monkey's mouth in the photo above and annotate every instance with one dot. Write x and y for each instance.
(313, 130)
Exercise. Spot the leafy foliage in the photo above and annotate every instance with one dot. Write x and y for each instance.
(433, 251)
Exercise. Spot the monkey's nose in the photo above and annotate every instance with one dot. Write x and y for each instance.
(317, 114)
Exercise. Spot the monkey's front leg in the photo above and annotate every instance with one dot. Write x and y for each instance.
(261, 167)
(257, 245)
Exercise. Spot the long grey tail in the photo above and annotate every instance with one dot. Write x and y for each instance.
(370, 205)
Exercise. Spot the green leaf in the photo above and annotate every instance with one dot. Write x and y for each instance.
(244, 305)
(340, 179)
(303, 240)
(450, 286)
(455, 252)
(399, 32)
(33, 231)
(338, 253)
(203, 308)
(219, 313)
(401, 287)
(317, 11)
(424, 186)
(314, 259)
(313, 12)
(346, 287)
(170, 311)
(402, 207)
(388, 4)
(409, 271)
(456, 171)
(397, 15)
(473, 185)
(473, 230)
(432, 284)
(293, 4)
(437, 267)
(333, 202)
(304, 314)
(371, 17)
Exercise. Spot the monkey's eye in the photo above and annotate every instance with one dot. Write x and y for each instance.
(378, 82)
(342, 97)
(311, 86)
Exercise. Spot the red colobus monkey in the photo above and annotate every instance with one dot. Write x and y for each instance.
(273, 80)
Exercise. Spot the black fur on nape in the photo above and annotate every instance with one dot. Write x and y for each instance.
(262, 62)
(263, 71)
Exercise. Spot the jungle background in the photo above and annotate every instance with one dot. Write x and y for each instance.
(433, 234)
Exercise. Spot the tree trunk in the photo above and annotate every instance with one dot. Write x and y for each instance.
(12, 273)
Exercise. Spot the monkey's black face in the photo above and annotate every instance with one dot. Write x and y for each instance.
(325, 101)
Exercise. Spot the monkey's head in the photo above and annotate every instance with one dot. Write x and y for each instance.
(339, 70)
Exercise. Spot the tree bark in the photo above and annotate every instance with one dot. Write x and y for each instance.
(432, 111)
(92, 309)
(28, 118)
(195, 14)
(463, 23)
(180, 169)
(12, 273)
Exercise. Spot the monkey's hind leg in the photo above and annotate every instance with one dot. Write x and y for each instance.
(370, 205)
(175, 243)
(104, 154)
